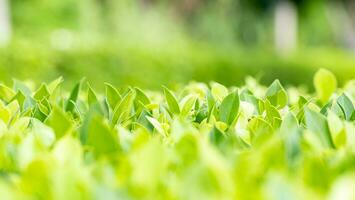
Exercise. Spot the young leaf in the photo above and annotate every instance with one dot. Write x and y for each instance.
(6, 93)
(260, 130)
(216, 136)
(291, 133)
(228, 110)
(112, 95)
(140, 101)
(20, 98)
(60, 123)
(277, 95)
(318, 124)
(156, 124)
(124, 108)
(271, 112)
(5, 114)
(187, 105)
(41, 93)
(171, 101)
(92, 98)
(103, 139)
(218, 91)
(73, 98)
(141, 96)
(325, 84)
(20, 86)
(52, 86)
(346, 106)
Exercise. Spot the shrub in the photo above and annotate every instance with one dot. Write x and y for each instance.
(198, 142)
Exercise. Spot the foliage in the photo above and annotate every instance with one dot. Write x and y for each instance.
(142, 67)
(199, 141)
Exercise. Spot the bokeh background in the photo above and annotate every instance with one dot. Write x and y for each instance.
(149, 43)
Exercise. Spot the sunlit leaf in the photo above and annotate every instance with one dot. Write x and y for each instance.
(171, 101)
(325, 84)
(229, 108)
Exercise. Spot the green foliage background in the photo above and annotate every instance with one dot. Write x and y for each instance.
(132, 43)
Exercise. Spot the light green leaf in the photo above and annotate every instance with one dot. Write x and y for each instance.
(141, 96)
(318, 124)
(156, 124)
(277, 95)
(20, 86)
(101, 137)
(6, 93)
(5, 113)
(44, 134)
(229, 108)
(41, 93)
(112, 95)
(260, 130)
(325, 84)
(171, 101)
(337, 129)
(124, 108)
(346, 106)
(187, 104)
(52, 86)
(92, 97)
(218, 91)
(141, 100)
(60, 123)
(73, 98)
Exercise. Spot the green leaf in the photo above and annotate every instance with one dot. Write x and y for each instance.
(337, 129)
(41, 93)
(271, 112)
(20, 86)
(277, 95)
(218, 91)
(101, 137)
(141, 100)
(52, 86)
(5, 113)
(187, 105)
(171, 101)
(318, 124)
(291, 133)
(216, 136)
(260, 130)
(59, 122)
(141, 96)
(249, 97)
(20, 98)
(123, 110)
(6, 93)
(229, 108)
(346, 106)
(73, 98)
(325, 84)
(210, 101)
(39, 113)
(92, 97)
(43, 133)
(112, 95)
(156, 124)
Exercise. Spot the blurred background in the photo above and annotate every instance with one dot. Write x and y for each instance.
(150, 43)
